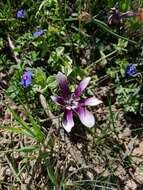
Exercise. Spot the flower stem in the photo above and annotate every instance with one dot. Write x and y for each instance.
(99, 60)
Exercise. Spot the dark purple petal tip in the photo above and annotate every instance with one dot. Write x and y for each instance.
(81, 87)
(58, 100)
(63, 84)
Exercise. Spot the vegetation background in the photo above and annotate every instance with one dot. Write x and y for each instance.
(74, 37)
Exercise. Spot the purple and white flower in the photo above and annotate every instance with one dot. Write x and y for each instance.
(72, 103)
(115, 16)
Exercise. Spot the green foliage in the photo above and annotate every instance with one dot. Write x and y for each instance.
(40, 78)
(128, 97)
(61, 61)
(34, 131)
(78, 49)
(121, 46)
(118, 71)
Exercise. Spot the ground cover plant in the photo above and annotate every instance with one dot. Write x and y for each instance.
(71, 95)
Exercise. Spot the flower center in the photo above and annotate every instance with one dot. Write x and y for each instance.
(72, 103)
(25, 77)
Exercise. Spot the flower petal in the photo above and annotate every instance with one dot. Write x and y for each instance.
(63, 84)
(82, 85)
(58, 100)
(129, 14)
(85, 116)
(131, 70)
(68, 122)
(39, 32)
(93, 101)
(20, 13)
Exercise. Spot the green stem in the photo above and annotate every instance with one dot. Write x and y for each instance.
(7, 19)
(106, 28)
(100, 59)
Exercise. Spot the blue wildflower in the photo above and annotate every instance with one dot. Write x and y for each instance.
(38, 33)
(131, 70)
(20, 13)
(26, 79)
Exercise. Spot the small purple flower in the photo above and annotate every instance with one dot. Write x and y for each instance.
(26, 79)
(38, 33)
(115, 16)
(131, 70)
(71, 102)
(20, 13)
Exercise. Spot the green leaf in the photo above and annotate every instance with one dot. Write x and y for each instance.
(40, 78)
(130, 147)
(67, 65)
(103, 58)
(22, 123)
(19, 130)
(51, 82)
(120, 47)
(28, 149)
(60, 51)
(51, 173)
(36, 129)
(106, 28)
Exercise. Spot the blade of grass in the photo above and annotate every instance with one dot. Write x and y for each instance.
(21, 122)
(28, 149)
(19, 130)
(106, 28)
(51, 174)
(37, 131)
(35, 126)
(23, 186)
